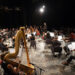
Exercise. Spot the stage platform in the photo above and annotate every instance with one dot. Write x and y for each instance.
(42, 57)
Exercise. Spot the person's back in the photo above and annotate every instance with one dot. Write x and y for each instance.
(32, 38)
(48, 39)
(32, 41)
(56, 47)
(56, 43)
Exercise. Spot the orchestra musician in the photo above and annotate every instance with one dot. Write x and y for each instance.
(71, 57)
(37, 32)
(9, 69)
(48, 39)
(28, 31)
(45, 27)
(72, 36)
(56, 47)
(32, 41)
(14, 70)
(67, 62)
(2, 46)
(32, 29)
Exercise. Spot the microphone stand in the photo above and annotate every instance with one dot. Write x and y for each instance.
(37, 67)
(40, 70)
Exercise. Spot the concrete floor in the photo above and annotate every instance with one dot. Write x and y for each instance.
(43, 58)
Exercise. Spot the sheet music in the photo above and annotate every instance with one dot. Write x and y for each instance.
(60, 38)
(71, 46)
(52, 34)
(28, 35)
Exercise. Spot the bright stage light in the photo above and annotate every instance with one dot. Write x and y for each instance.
(43, 6)
(41, 10)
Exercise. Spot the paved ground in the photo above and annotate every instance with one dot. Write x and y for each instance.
(43, 58)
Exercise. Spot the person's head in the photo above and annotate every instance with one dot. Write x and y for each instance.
(48, 34)
(44, 23)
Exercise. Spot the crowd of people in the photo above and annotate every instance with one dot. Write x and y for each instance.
(7, 39)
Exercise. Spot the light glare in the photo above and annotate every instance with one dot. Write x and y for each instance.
(43, 6)
(41, 10)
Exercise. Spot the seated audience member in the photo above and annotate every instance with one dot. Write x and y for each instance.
(67, 62)
(2, 46)
(32, 41)
(56, 47)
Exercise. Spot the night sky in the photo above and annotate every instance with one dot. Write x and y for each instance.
(57, 12)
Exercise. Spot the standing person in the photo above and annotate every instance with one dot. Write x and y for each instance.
(32, 41)
(41, 30)
(45, 27)
(48, 39)
(32, 29)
